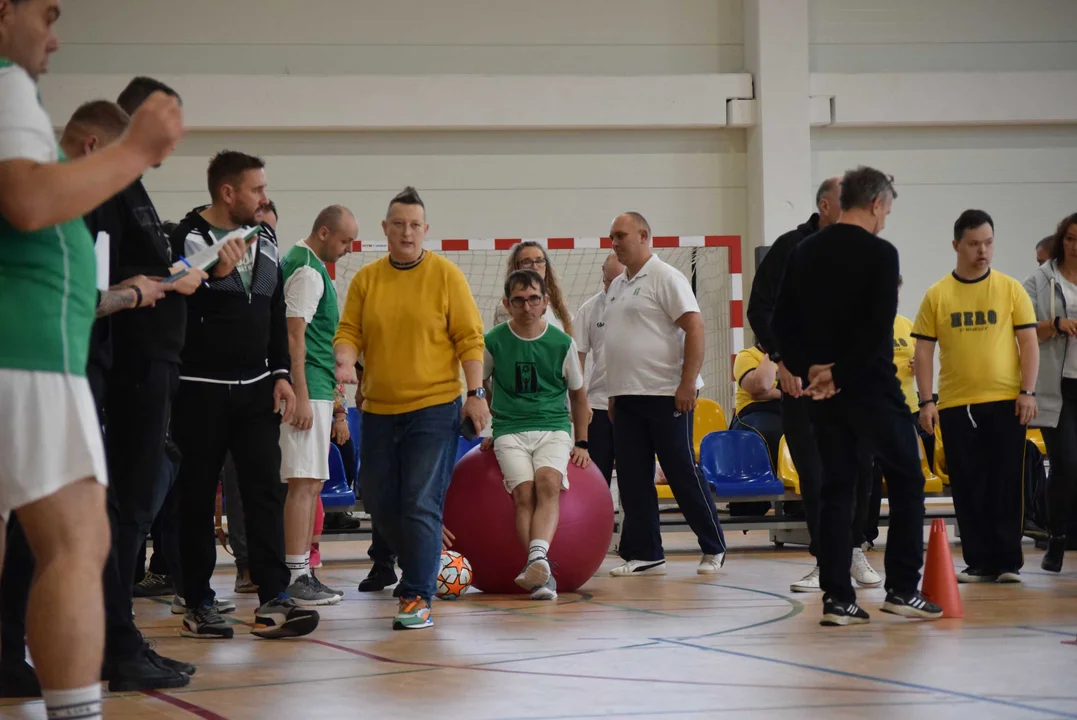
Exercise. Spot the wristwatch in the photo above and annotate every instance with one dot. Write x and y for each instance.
(581, 444)
(479, 392)
(1030, 393)
(933, 399)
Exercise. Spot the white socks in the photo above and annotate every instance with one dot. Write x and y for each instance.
(78, 704)
(298, 565)
(537, 550)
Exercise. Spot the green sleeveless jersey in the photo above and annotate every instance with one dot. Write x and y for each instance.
(530, 380)
(48, 277)
(321, 374)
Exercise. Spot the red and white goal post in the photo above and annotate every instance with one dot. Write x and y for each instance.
(712, 263)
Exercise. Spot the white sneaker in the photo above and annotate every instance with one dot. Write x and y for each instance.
(711, 564)
(633, 568)
(862, 571)
(808, 583)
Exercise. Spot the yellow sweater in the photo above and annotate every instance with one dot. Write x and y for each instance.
(413, 327)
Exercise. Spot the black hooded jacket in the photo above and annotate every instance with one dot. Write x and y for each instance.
(233, 336)
(768, 280)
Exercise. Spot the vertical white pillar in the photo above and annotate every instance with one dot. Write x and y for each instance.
(780, 193)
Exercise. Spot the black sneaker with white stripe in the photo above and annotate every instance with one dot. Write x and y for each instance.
(911, 605)
(837, 613)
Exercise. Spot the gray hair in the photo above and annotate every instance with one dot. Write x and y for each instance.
(862, 186)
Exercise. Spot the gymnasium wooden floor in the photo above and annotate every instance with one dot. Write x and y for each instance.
(738, 645)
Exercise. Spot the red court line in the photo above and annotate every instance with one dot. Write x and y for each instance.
(184, 705)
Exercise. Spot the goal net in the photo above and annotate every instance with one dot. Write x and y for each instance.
(578, 266)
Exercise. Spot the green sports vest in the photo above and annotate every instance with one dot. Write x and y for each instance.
(528, 381)
(48, 293)
(321, 375)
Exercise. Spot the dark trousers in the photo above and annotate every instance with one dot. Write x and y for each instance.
(645, 426)
(406, 463)
(165, 531)
(379, 551)
(209, 421)
(600, 443)
(138, 405)
(768, 425)
(985, 454)
(800, 437)
(1062, 450)
(843, 425)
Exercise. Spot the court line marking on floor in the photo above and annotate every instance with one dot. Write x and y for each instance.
(872, 678)
(184, 705)
(1048, 631)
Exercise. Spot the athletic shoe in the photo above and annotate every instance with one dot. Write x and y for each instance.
(154, 585)
(141, 672)
(911, 605)
(1056, 551)
(283, 618)
(636, 568)
(177, 665)
(808, 583)
(862, 572)
(306, 593)
(837, 613)
(315, 556)
(18, 680)
(545, 592)
(1009, 577)
(867, 546)
(379, 578)
(244, 584)
(535, 574)
(342, 521)
(325, 588)
(223, 606)
(973, 575)
(205, 622)
(413, 614)
(711, 564)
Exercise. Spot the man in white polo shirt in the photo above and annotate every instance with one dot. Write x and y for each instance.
(589, 327)
(653, 353)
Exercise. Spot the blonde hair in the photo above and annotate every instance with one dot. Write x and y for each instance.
(557, 298)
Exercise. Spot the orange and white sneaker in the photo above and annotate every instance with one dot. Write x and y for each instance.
(413, 614)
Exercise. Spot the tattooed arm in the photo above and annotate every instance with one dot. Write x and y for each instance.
(137, 292)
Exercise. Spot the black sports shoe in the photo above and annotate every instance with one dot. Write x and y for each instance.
(18, 680)
(177, 665)
(1056, 549)
(282, 618)
(379, 578)
(836, 613)
(911, 605)
(140, 672)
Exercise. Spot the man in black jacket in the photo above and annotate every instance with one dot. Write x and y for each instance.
(796, 425)
(235, 385)
(833, 327)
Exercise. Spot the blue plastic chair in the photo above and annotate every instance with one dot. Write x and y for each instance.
(463, 445)
(355, 427)
(335, 491)
(736, 464)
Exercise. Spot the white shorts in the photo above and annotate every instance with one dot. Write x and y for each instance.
(305, 453)
(49, 436)
(520, 455)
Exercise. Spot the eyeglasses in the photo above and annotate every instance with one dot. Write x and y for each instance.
(539, 262)
(532, 300)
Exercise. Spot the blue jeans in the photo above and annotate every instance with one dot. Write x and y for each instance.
(406, 462)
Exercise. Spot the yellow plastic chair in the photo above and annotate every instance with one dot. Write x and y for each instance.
(1036, 437)
(708, 418)
(932, 482)
(940, 458)
(787, 472)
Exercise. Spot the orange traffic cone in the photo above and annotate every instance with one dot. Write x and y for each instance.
(940, 580)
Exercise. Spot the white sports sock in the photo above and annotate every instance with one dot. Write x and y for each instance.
(537, 550)
(298, 565)
(78, 704)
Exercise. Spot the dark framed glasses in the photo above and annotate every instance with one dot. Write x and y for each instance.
(532, 300)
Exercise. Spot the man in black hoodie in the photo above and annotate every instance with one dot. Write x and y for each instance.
(796, 425)
(235, 385)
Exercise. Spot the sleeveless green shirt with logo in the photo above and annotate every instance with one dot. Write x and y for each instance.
(320, 364)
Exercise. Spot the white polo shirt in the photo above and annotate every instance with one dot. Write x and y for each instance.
(589, 327)
(644, 349)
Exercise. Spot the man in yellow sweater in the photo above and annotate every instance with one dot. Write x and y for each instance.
(413, 318)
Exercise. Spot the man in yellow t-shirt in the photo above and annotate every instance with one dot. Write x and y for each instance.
(413, 318)
(986, 396)
(758, 398)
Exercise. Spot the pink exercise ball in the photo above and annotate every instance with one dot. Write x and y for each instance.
(480, 513)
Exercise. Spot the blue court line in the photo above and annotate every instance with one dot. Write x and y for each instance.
(1047, 630)
(872, 678)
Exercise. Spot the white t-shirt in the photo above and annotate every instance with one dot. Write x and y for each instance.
(303, 291)
(1069, 291)
(589, 328)
(25, 128)
(644, 348)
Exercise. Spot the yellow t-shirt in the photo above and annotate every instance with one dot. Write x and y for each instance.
(904, 349)
(974, 324)
(747, 359)
(413, 328)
